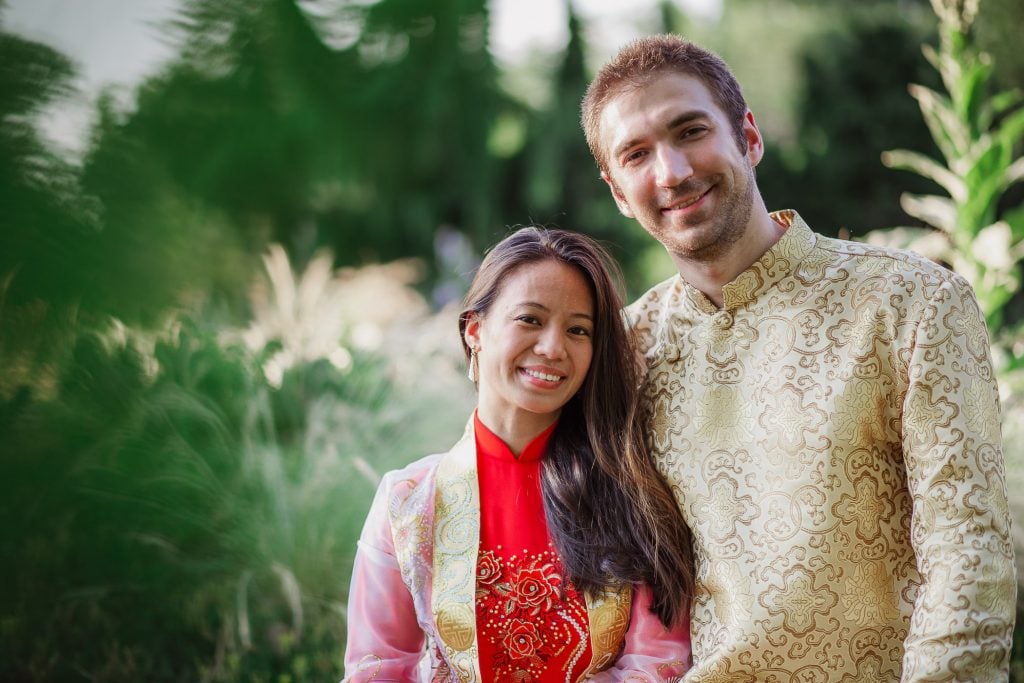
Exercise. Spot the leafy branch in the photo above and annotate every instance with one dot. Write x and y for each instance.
(977, 135)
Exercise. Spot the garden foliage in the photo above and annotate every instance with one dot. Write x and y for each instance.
(189, 441)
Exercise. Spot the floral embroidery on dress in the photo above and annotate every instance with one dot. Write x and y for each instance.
(529, 614)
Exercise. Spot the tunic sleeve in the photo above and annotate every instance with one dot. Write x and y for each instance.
(385, 641)
(962, 624)
(651, 653)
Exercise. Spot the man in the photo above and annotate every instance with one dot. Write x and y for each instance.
(825, 412)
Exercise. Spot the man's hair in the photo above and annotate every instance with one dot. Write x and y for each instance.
(641, 60)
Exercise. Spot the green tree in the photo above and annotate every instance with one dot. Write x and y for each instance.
(46, 220)
(978, 135)
(433, 103)
(80, 246)
(559, 181)
(851, 106)
(363, 130)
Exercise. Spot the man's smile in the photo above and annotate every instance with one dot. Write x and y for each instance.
(686, 202)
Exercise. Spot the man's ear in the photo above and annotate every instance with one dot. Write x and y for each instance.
(472, 331)
(755, 143)
(620, 199)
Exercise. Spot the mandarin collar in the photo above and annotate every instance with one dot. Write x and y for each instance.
(490, 444)
(779, 261)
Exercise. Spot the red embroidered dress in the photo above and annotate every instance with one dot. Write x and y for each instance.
(531, 624)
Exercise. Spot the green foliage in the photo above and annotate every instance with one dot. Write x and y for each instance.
(851, 106)
(159, 245)
(362, 129)
(559, 180)
(45, 218)
(78, 245)
(978, 136)
(185, 505)
(175, 518)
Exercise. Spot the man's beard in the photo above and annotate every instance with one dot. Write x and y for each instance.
(729, 223)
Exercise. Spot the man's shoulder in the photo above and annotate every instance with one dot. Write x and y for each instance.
(903, 261)
(819, 257)
(646, 315)
(653, 305)
(656, 297)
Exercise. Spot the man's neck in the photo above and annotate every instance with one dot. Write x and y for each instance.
(711, 276)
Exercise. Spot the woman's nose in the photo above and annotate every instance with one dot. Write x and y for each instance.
(550, 344)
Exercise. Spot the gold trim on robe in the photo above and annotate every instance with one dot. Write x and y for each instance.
(456, 544)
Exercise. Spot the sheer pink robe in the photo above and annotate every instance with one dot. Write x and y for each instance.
(411, 610)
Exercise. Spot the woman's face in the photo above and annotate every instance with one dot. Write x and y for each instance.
(534, 345)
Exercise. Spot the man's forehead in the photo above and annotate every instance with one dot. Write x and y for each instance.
(656, 101)
(665, 88)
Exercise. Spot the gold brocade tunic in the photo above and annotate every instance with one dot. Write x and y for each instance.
(832, 438)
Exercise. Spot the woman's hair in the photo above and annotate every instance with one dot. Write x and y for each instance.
(610, 514)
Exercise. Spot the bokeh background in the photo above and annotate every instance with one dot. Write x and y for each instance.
(234, 233)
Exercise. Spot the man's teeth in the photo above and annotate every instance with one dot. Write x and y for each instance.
(688, 202)
(541, 375)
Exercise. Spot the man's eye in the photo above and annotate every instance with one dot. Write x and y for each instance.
(633, 156)
(692, 131)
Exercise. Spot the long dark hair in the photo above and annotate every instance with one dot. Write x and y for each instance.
(610, 514)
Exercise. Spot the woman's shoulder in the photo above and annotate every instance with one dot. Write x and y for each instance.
(401, 482)
(416, 481)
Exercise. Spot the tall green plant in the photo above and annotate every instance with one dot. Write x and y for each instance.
(175, 518)
(179, 512)
(47, 221)
(977, 134)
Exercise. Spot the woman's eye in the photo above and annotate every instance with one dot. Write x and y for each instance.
(528, 319)
(579, 331)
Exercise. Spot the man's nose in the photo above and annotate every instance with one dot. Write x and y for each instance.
(673, 167)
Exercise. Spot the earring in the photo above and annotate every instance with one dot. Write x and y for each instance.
(473, 366)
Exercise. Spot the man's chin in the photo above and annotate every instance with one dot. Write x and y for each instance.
(699, 247)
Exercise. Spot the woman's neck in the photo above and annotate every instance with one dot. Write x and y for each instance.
(517, 431)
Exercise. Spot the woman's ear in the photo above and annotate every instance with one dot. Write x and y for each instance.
(472, 332)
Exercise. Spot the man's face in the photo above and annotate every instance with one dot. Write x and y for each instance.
(674, 165)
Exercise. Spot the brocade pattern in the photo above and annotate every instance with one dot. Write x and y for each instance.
(832, 438)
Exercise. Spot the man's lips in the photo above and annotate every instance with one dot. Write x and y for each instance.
(687, 202)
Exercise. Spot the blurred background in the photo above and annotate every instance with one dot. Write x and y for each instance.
(234, 234)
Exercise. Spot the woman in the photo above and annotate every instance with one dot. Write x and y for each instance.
(513, 557)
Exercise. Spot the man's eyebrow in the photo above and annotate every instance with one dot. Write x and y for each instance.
(688, 116)
(683, 118)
